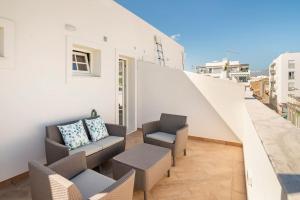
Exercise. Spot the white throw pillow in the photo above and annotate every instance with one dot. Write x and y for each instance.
(74, 135)
(96, 128)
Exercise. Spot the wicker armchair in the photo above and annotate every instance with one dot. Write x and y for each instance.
(70, 179)
(171, 131)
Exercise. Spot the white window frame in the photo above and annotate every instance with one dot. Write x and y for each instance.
(292, 77)
(84, 53)
(291, 62)
(94, 48)
(291, 88)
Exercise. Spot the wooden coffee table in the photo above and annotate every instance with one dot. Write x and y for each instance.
(150, 162)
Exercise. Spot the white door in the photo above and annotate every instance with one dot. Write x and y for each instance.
(122, 92)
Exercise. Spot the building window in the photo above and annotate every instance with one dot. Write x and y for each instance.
(210, 70)
(81, 62)
(7, 43)
(291, 75)
(291, 86)
(291, 64)
(83, 59)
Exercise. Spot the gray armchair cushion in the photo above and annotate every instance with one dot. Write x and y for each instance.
(90, 183)
(164, 137)
(108, 141)
(70, 166)
(88, 149)
(171, 123)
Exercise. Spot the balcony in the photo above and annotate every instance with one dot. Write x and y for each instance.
(272, 79)
(237, 147)
(272, 72)
(216, 167)
(209, 171)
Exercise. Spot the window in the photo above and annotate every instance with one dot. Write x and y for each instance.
(81, 62)
(291, 64)
(83, 59)
(7, 43)
(291, 75)
(210, 70)
(291, 86)
(217, 70)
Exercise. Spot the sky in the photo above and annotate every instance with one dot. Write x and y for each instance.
(252, 31)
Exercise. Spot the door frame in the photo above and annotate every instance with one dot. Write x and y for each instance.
(125, 90)
(129, 55)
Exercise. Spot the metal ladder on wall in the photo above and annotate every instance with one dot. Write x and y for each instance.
(160, 52)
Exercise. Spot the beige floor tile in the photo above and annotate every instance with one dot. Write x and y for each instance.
(238, 196)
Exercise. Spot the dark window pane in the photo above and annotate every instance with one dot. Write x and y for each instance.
(82, 67)
(73, 57)
(74, 67)
(80, 59)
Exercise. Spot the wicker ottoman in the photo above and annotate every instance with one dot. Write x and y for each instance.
(150, 162)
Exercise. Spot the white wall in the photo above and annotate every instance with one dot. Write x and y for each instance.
(172, 91)
(261, 180)
(35, 93)
(226, 97)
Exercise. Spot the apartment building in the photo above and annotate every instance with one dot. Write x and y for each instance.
(284, 80)
(226, 69)
(260, 87)
(293, 109)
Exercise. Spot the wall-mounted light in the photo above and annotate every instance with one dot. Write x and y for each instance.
(105, 39)
(70, 27)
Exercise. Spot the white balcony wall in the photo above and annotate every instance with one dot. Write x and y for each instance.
(35, 91)
(261, 180)
(174, 91)
(271, 154)
(226, 97)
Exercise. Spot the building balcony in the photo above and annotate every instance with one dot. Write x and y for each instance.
(237, 147)
(272, 72)
(240, 73)
(209, 171)
(272, 79)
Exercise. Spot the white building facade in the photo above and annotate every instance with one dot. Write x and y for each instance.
(61, 59)
(226, 69)
(284, 74)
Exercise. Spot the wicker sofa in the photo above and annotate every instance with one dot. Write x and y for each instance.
(96, 152)
(69, 178)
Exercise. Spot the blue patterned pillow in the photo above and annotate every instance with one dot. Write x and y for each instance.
(74, 135)
(96, 128)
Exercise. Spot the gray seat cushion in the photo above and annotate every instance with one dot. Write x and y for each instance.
(88, 149)
(108, 141)
(161, 136)
(97, 146)
(90, 183)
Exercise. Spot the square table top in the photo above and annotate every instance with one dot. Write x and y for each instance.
(143, 156)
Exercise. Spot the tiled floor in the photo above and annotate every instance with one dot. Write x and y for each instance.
(209, 172)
